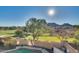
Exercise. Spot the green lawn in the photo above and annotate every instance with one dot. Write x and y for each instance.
(7, 32)
(44, 37)
(52, 39)
(49, 38)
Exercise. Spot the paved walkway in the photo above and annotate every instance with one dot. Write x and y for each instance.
(56, 50)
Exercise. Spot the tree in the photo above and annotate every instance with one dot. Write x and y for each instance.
(19, 33)
(36, 27)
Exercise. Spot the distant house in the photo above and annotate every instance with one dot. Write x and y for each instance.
(65, 30)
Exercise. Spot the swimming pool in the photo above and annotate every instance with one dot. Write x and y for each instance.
(26, 50)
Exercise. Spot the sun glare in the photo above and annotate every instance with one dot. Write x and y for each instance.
(51, 12)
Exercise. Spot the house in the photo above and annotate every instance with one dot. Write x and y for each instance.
(65, 30)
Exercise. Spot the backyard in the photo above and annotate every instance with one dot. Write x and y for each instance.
(44, 37)
(38, 28)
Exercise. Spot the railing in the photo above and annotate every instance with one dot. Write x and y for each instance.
(70, 49)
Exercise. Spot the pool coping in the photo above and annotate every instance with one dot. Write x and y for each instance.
(27, 47)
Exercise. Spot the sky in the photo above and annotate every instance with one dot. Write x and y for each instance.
(18, 15)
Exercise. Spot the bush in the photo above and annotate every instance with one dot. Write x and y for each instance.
(77, 36)
(19, 33)
(9, 41)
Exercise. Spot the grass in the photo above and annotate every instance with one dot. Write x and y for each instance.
(44, 37)
(49, 38)
(52, 39)
(7, 32)
(71, 40)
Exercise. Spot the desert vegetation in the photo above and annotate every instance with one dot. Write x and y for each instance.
(39, 29)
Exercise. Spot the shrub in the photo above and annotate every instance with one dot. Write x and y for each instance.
(19, 33)
(9, 41)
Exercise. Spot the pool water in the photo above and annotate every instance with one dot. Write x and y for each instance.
(24, 50)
